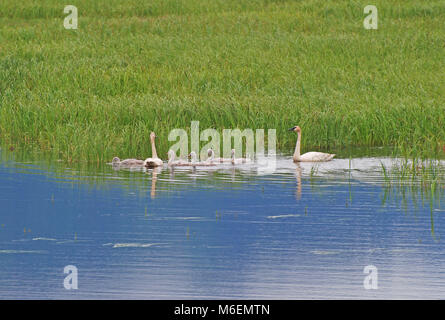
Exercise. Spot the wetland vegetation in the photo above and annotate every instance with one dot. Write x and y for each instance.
(133, 67)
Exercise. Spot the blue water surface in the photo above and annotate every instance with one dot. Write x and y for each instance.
(297, 233)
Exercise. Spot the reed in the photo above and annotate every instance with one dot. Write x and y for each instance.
(413, 184)
(421, 178)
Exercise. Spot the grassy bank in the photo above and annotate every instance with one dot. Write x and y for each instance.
(133, 67)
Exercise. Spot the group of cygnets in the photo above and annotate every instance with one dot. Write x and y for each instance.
(155, 161)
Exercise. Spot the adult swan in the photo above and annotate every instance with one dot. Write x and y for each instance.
(154, 161)
(308, 156)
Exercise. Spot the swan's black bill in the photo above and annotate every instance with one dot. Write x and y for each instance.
(292, 129)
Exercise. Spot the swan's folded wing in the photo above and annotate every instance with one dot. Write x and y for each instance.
(132, 162)
(317, 156)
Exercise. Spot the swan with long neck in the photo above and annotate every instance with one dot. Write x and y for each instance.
(154, 161)
(238, 160)
(174, 163)
(308, 156)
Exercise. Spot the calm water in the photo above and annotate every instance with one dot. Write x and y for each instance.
(301, 232)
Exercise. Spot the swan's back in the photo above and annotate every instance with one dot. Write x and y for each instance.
(180, 163)
(131, 162)
(316, 156)
(205, 164)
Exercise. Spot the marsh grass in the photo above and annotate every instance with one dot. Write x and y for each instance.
(423, 181)
(415, 183)
(133, 67)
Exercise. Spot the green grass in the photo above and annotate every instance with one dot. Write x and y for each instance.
(133, 67)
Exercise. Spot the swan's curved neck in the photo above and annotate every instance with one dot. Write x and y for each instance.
(153, 149)
(171, 158)
(297, 148)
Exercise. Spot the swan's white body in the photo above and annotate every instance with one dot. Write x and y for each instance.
(308, 156)
(127, 162)
(314, 157)
(154, 161)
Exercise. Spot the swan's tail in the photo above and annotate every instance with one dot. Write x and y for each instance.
(150, 164)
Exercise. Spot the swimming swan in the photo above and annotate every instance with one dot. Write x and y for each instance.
(127, 162)
(194, 162)
(173, 163)
(308, 156)
(154, 161)
(238, 160)
(212, 158)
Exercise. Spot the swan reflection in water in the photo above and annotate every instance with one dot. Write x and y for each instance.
(298, 176)
(154, 177)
